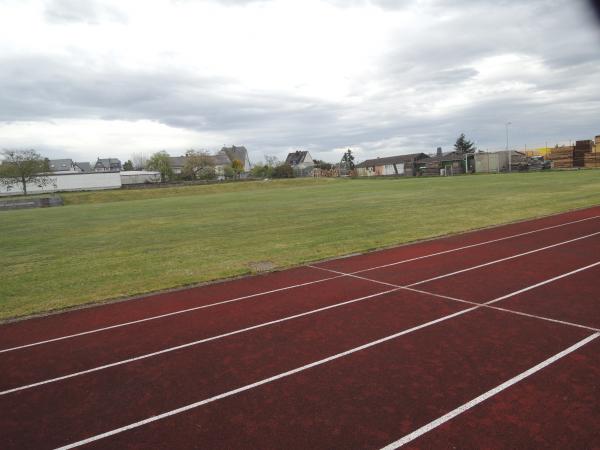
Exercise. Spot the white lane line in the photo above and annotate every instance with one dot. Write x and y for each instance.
(198, 342)
(315, 311)
(174, 313)
(465, 407)
(98, 330)
(503, 259)
(498, 299)
(475, 245)
(261, 382)
(511, 311)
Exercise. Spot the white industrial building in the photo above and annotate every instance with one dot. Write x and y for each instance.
(68, 182)
(139, 177)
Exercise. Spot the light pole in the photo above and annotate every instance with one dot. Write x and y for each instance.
(507, 151)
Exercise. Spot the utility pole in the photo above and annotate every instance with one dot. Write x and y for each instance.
(508, 152)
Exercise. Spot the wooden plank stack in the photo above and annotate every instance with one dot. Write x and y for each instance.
(581, 149)
(562, 157)
(592, 160)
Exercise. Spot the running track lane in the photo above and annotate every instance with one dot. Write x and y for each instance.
(165, 303)
(493, 281)
(422, 269)
(573, 299)
(48, 327)
(557, 408)
(367, 399)
(35, 364)
(54, 414)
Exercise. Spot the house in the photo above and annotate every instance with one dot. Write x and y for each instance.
(301, 162)
(223, 158)
(107, 165)
(390, 166)
(234, 153)
(450, 163)
(63, 166)
(177, 163)
(84, 167)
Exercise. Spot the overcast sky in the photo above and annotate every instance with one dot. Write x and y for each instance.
(86, 78)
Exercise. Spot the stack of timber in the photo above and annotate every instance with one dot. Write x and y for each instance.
(561, 157)
(581, 149)
(592, 160)
(519, 162)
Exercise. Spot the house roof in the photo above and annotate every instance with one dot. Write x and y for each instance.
(233, 153)
(295, 158)
(108, 162)
(177, 161)
(85, 166)
(60, 165)
(448, 156)
(391, 160)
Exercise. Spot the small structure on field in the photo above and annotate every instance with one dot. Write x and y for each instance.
(401, 165)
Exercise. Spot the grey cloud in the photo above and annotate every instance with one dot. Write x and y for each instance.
(82, 11)
(419, 69)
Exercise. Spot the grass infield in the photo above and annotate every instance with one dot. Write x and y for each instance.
(112, 244)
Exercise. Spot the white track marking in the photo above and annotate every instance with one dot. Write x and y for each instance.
(504, 259)
(161, 316)
(465, 407)
(174, 313)
(261, 382)
(200, 341)
(504, 297)
(284, 319)
(474, 245)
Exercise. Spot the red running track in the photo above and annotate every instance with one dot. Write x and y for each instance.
(338, 355)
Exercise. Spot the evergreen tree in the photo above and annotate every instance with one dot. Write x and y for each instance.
(463, 145)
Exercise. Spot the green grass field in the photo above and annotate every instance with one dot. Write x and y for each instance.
(111, 244)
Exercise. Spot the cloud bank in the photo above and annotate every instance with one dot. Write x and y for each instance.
(88, 78)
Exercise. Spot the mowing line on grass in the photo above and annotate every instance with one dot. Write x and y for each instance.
(483, 397)
(183, 311)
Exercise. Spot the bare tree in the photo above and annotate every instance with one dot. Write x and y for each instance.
(139, 160)
(22, 167)
(197, 163)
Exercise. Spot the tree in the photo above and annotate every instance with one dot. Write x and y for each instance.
(348, 160)
(22, 167)
(319, 164)
(283, 171)
(261, 171)
(271, 161)
(237, 166)
(128, 165)
(463, 145)
(228, 172)
(161, 162)
(140, 160)
(197, 163)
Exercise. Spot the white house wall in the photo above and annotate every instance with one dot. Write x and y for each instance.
(69, 182)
